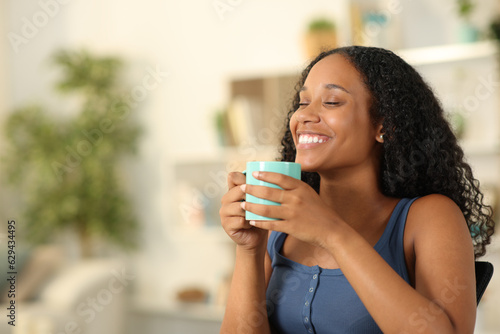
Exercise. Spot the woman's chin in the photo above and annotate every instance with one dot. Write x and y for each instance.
(305, 166)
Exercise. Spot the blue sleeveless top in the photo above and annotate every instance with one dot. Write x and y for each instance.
(304, 300)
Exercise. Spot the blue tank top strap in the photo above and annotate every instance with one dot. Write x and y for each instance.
(270, 243)
(396, 224)
(391, 244)
(400, 226)
(399, 232)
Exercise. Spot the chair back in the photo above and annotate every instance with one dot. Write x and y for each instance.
(484, 272)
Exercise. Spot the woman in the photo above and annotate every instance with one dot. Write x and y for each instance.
(381, 233)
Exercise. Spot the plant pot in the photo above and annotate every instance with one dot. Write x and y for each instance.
(319, 41)
(467, 33)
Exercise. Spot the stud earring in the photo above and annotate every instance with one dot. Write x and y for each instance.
(381, 136)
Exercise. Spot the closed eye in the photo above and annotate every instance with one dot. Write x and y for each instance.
(332, 103)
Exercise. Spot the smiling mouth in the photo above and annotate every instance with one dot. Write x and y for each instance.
(312, 139)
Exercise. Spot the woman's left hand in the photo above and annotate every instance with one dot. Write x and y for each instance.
(302, 213)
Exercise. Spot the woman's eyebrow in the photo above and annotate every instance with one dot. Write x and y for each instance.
(334, 86)
(328, 86)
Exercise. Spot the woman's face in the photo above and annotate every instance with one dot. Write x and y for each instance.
(332, 128)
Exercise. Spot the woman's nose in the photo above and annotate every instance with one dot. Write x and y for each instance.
(308, 113)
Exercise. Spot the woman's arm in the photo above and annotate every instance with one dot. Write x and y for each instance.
(246, 306)
(443, 300)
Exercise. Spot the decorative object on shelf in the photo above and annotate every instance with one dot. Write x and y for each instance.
(321, 35)
(375, 29)
(467, 32)
(494, 33)
(221, 122)
(192, 295)
(495, 29)
(66, 167)
(375, 23)
(237, 124)
(241, 116)
(465, 8)
(192, 205)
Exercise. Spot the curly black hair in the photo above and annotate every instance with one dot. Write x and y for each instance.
(420, 154)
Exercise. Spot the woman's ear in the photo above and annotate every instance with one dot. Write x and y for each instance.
(380, 134)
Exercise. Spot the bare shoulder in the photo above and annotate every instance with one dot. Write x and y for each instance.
(435, 204)
(436, 225)
(436, 213)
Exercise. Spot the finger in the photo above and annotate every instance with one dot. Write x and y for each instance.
(234, 194)
(236, 223)
(270, 225)
(271, 194)
(284, 181)
(272, 211)
(232, 210)
(235, 179)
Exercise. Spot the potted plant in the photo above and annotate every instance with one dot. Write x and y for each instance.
(321, 35)
(467, 31)
(495, 29)
(66, 168)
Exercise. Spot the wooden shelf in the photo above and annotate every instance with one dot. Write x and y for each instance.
(414, 56)
(448, 53)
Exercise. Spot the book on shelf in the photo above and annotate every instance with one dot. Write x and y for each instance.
(243, 120)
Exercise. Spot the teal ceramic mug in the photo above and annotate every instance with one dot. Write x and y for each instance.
(288, 168)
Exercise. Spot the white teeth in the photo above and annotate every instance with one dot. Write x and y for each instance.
(308, 139)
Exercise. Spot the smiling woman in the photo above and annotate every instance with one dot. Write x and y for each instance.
(333, 110)
(386, 221)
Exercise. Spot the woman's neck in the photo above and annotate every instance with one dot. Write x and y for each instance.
(356, 198)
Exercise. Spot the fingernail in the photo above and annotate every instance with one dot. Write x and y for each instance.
(243, 187)
(242, 204)
(252, 222)
(255, 174)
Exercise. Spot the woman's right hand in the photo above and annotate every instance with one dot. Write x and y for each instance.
(233, 216)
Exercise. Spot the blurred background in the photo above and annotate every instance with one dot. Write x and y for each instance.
(121, 119)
